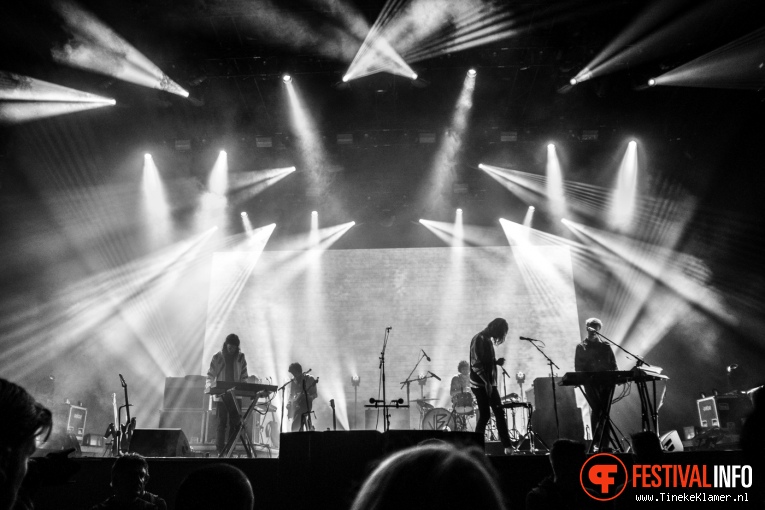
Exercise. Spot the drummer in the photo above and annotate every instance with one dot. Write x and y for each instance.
(461, 381)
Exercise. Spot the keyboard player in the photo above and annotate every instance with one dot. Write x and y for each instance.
(594, 355)
(228, 364)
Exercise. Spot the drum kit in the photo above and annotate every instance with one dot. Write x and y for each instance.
(464, 409)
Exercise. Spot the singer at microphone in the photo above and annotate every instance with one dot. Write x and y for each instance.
(595, 355)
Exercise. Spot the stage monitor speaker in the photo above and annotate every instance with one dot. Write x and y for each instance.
(671, 442)
(569, 416)
(374, 419)
(159, 443)
(192, 421)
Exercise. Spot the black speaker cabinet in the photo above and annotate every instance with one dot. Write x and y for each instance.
(191, 421)
(159, 443)
(185, 392)
(569, 415)
(399, 419)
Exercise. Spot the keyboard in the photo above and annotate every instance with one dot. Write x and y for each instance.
(608, 377)
(242, 389)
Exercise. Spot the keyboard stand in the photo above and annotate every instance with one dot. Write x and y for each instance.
(229, 399)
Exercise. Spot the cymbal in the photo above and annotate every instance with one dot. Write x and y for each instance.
(511, 397)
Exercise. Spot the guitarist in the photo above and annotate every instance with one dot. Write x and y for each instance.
(228, 364)
(303, 391)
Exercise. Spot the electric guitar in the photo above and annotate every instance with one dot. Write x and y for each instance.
(126, 430)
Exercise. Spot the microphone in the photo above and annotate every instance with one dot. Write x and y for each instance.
(434, 375)
(528, 339)
(426, 354)
(307, 371)
(388, 328)
(122, 380)
(592, 329)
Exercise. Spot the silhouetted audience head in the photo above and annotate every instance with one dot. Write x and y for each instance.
(431, 477)
(130, 474)
(215, 486)
(646, 446)
(22, 419)
(566, 458)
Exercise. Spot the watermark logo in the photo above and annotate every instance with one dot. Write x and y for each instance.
(603, 477)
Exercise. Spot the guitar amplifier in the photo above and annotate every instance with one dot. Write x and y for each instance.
(723, 411)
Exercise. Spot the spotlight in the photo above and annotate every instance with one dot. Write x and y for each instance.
(472, 72)
(223, 153)
(564, 221)
(244, 214)
(550, 146)
(651, 82)
(572, 81)
(314, 213)
(345, 79)
(481, 166)
(532, 208)
(147, 156)
(355, 380)
(287, 78)
(459, 211)
(414, 76)
(113, 101)
(632, 143)
(353, 223)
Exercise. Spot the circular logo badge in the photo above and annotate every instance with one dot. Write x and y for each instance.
(603, 476)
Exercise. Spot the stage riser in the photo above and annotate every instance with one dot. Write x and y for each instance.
(517, 475)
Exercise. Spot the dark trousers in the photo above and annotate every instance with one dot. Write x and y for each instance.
(228, 415)
(493, 402)
(597, 396)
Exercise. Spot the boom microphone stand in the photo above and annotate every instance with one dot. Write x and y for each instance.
(281, 417)
(552, 364)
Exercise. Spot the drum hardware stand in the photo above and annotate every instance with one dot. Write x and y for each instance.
(530, 434)
(355, 381)
(380, 404)
(551, 364)
(520, 378)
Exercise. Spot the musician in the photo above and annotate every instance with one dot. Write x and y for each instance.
(228, 364)
(461, 381)
(483, 378)
(594, 355)
(303, 391)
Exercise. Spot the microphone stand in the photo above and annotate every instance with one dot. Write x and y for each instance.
(408, 381)
(386, 423)
(504, 383)
(639, 361)
(552, 364)
(648, 407)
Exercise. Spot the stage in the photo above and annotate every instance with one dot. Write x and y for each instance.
(325, 469)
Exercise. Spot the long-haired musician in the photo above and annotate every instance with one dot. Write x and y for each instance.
(483, 378)
(228, 364)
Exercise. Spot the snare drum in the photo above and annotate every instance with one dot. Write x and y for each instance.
(463, 403)
(438, 419)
